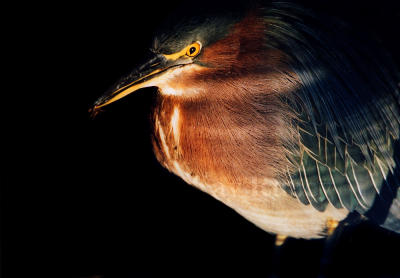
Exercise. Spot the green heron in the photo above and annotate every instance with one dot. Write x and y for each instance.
(289, 117)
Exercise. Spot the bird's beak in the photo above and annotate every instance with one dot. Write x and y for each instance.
(144, 76)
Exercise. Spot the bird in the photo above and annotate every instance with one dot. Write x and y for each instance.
(290, 117)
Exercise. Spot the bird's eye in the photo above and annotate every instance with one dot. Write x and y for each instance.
(193, 49)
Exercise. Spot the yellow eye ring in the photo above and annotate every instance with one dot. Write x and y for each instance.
(193, 49)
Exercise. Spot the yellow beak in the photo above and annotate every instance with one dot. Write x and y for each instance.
(142, 77)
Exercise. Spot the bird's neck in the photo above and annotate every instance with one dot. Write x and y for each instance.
(233, 142)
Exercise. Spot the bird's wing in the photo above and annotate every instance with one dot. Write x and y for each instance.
(348, 110)
(339, 173)
(348, 145)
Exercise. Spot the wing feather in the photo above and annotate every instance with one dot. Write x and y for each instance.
(349, 124)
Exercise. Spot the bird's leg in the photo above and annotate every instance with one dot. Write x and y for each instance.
(276, 262)
(333, 232)
(280, 240)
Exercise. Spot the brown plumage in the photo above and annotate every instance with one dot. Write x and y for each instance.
(219, 134)
(230, 121)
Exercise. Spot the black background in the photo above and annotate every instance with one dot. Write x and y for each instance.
(86, 197)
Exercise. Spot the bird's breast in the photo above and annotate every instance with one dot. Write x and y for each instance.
(217, 162)
(207, 142)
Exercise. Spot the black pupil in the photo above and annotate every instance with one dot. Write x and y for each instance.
(192, 50)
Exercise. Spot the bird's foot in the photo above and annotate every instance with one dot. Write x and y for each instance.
(280, 240)
(331, 225)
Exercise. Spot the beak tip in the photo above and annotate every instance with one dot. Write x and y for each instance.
(133, 82)
(94, 111)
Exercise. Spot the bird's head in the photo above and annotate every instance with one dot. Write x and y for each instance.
(200, 53)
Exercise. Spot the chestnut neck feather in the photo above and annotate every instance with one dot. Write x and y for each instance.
(234, 129)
